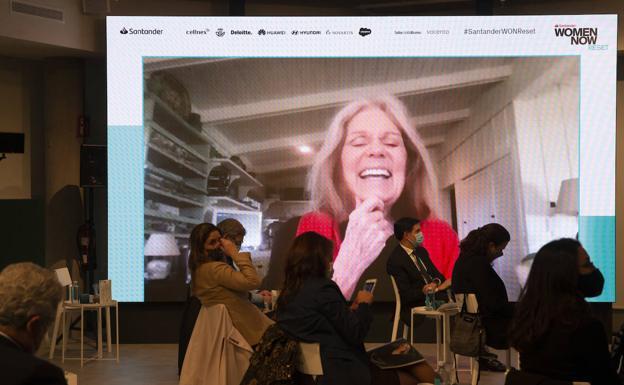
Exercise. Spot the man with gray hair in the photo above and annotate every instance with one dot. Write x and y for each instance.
(234, 231)
(29, 297)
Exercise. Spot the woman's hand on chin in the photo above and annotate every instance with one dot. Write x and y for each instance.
(366, 235)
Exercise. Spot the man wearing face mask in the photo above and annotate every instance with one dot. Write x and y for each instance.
(412, 269)
(29, 297)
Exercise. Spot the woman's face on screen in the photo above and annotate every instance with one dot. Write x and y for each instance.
(374, 157)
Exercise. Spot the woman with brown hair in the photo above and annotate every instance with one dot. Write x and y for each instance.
(311, 308)
(213, 281)
(474, 274)
(553, 327)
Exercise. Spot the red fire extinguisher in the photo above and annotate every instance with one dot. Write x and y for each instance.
(86, 245)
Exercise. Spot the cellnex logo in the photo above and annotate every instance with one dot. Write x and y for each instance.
(578, 36)
(141, 31)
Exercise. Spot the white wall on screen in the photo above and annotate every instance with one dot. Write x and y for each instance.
(530, 121)
(546, 134)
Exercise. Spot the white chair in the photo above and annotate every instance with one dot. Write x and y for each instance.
(472, 306)
(217, 353)
(309, 359)
(65, 279)
(397, 312)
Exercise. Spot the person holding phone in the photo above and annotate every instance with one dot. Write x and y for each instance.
(369, 285)
(311, 308)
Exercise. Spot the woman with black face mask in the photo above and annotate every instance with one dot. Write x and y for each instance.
(553, 328)
(213, 281)
(474, 273)
(590, 280)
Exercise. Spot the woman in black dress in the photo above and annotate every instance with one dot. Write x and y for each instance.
(311, 308)
(473, 273)
(553, 328)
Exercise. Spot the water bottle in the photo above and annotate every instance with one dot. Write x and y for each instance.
(430, 299)
(444, 375)
(70, 299)
(74, 292)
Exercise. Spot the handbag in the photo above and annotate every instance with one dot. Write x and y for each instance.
(274, 360)
(468, 335)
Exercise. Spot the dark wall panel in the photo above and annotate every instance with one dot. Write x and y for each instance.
(22, 231)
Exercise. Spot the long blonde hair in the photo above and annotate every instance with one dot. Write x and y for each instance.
(327, 189)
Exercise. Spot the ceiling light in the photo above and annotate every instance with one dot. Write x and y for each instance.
(305, 149)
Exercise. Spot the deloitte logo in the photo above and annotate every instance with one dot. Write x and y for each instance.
(123, 31)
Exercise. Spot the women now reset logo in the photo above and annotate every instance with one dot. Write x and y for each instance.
(578, 36)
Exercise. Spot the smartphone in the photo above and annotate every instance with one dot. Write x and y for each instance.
(369, 285)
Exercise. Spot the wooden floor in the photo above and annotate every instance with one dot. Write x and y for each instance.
(157, 365)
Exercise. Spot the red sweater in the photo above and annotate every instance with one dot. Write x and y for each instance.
(440, 239)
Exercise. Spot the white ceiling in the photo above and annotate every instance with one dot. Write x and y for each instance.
(261, 109)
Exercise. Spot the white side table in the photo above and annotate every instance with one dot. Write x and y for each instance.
(98, 307)
(443, 325)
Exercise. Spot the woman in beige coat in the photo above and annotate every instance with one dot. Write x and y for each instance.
(214, 281)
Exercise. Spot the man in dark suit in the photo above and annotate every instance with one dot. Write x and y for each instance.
(30, 295)
(413, 271)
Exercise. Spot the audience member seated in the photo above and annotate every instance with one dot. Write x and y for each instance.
(473, 274)
(234, 231)
(213, 281)
(553, 328)
(29, 297)
(413, 270)
(311, 308)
